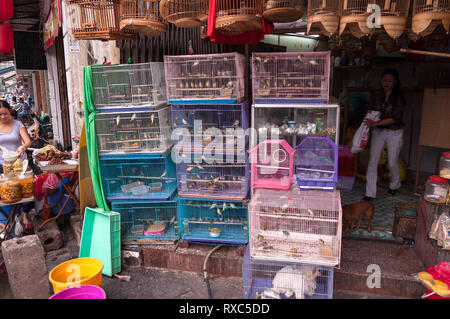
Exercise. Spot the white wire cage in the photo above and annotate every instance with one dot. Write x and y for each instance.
(323, 17)
(294, 226)
(429, 14)
(282, 11)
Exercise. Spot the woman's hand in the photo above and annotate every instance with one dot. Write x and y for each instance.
(370, 123)
(21, 150)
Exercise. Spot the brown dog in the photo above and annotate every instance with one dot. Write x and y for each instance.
(355, 211)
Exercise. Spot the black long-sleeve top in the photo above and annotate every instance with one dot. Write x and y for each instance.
(393, 108)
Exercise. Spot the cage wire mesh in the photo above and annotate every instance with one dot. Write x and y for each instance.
(185, 13)
(295, 226)
(137, 131)
(283, 10)
(213, 221)
(150, 220)
(126, 85)
(323, 17)
(291, 77)
(97, 20)
(142, 16)
(429, 14)
(212, 78)
(277, 280)
(238, 16)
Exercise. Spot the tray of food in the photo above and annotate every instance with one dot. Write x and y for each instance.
(57, 164)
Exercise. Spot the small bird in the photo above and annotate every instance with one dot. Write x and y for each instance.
(117, 120)
(213, 205)
(224, 206)
(184, 121)
(311, 212)
(190, 168)
(236, 123)
(313, 62)
(300, 58)
(321, 242)
(133, 117)
(152, 117)
(286, 233)
(199, 166)
(232, 205)
(219, 212)
(163, 174)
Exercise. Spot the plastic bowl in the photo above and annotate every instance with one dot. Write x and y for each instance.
(81, 292)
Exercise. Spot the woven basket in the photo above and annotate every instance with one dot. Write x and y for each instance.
(425, 23)
(151, 28)
(357, 24)
(327, 22)
(394, 26)
(184, 19)
(237, 24)
(282, 14)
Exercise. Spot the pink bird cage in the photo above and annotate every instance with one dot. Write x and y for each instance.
(272, 165)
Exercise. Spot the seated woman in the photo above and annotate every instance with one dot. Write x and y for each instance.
(14, 137)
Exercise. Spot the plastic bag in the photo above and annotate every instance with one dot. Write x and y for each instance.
(434, 227)
(361, 136)
(51, 183)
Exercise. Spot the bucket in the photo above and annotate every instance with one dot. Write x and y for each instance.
(81, 292)
(76, 272)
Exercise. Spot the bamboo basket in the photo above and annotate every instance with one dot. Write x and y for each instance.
(184, 13)
(282, 10)
(354, 17)
(98, 20)
(324, 16)
(238, 16)
(429, 14)
(142, 16)
(394, 15)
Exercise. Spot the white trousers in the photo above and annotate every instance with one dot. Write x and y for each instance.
(394, 141)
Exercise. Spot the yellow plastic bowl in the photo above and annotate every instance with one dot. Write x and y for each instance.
(76, 272)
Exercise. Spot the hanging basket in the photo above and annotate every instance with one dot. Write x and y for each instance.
(394, 26)
(184, 13)
(238, 16)
(142, 16)
(282, 10)
(97, 20)
(356, 24)
(324, 16)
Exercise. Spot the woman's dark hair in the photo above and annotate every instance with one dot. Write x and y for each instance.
(13, 113)
(396, 93)
(5, 104)
(14, 98)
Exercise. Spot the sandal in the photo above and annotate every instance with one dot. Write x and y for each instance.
(391, 192)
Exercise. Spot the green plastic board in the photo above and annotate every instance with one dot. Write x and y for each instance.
(100, 239)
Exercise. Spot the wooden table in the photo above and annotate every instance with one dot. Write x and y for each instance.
(70, 187)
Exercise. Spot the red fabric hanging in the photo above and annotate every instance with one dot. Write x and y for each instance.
(251, 37)
(7, 10)
(6, 38)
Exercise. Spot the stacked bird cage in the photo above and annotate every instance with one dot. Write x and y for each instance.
(323, 17)
(184, 13)
(282, 10)
(98, 20)
(353, 17)
(199, 79)
(238, 16)
(213, 221)
(212, 161)
(429, 14)
(277, 280)
(142, 16)
(294, 226)
(123, 86)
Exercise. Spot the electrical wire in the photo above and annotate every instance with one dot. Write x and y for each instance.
(205, 273)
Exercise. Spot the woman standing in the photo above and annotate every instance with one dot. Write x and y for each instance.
(391, 103)
(14, 137)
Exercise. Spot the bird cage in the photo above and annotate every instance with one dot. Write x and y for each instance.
(238, 16)
(282, 10)
(133, 131)
(276, 280)
(317, 164)
(213, 221)
(428, 14)
(142, 16)
(291, 77)
(147, 220)
(127, 85)
(295, 226)
(353, 17)
(205, 78)
(323, 15)
(98, 20)
(138, 176)
(272, 165)
(184, 13)
(394, 15)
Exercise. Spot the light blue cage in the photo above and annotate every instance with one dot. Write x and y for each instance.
(213, 221)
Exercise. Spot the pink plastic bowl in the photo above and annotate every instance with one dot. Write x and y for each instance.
(81, 292)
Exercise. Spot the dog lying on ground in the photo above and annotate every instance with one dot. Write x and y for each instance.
(355, 211)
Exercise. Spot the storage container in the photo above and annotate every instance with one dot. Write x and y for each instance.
(295, 226)
(134, 131)
(444, 165)
(26, 182)
(317, 164)
(10, 190)
(290, 77)
(124, 175)
(263, 279)
(128, 85)
(436, 189)
(213, 221)
(208, 78)
(148, 220)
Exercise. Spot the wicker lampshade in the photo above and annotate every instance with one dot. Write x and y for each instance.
(282, 10)
(323, 14)
(428, 14)
(142, 16)
(184, 13)
(238, 16)
(97, 20)
(354, 17)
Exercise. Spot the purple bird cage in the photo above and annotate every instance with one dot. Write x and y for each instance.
(317, 164)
